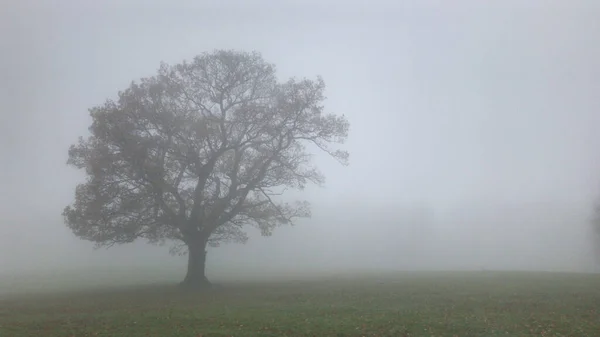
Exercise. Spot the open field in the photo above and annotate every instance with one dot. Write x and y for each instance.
(410, 304)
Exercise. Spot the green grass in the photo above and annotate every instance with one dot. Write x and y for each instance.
(418, 304)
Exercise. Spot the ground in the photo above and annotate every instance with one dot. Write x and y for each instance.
(400, 304)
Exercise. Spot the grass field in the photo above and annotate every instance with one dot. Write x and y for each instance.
(411, 304)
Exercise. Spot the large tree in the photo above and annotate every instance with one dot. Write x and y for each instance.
(197, 152)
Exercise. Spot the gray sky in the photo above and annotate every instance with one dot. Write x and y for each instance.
(487, 114)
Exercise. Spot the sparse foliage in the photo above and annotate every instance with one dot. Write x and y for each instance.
(198, 151)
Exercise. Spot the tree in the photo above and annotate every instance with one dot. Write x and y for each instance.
(595, 237)
(197, 152)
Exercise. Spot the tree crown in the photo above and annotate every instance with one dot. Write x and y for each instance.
(199, 150)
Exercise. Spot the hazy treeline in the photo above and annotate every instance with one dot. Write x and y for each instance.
(553, 237)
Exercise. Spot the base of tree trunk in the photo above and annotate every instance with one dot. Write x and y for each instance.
(195, 284)
(195, 278)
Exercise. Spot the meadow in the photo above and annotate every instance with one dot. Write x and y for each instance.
(369, 304)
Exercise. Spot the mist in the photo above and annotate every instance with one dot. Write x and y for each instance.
(473, 136)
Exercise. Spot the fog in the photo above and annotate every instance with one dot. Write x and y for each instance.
(473, 135)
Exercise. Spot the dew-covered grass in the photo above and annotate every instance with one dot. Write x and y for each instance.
(403, 304)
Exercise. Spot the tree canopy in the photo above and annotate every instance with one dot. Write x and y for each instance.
(198, 151)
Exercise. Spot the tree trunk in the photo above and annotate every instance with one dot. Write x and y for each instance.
(196, 273)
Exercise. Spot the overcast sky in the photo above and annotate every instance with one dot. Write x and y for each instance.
(461, 107)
